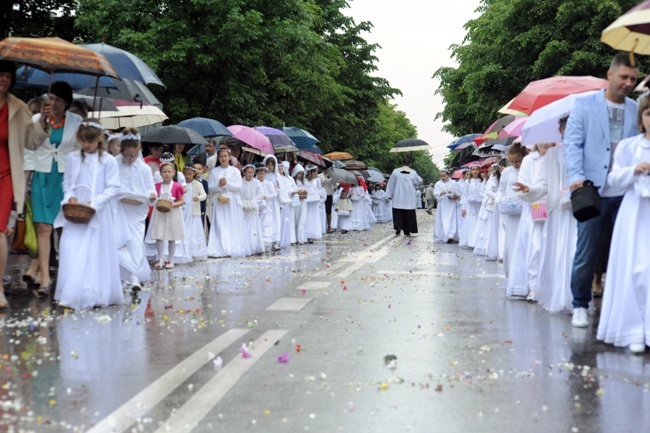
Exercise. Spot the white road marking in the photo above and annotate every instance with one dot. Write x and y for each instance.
(288, 304)
(331, 269)
(314, 285)
(145, 400)
(442, 274)
(188, 416)
(373, 253)
(437, 259)
(350, 269)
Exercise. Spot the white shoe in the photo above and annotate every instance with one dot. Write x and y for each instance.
(580, 318)
(169, 265)
(158, 265)
(637, 348)
(531, 296)
(275, 247)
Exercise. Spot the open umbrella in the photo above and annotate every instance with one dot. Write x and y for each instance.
(410, 145)
(355, 165)
(302, 138)
(313, 158)
(458, 174)
(513, 129)
(206, 127)
(462, 142)
(542, 92)
(280, 141)
(128, 114)
(126, 64)
(344, 176)
(487, 149)
(375, 176)
(251, 137)
(173, 134)
(125, 90)
(338, 156)
(55, 55)
(631, 31)
(29, 76)
(315, 148)
(542, 125)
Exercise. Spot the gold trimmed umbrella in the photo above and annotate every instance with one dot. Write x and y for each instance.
(55, 55)
(631, 31)
(338, 156)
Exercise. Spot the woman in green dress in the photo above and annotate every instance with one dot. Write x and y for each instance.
(52, 135)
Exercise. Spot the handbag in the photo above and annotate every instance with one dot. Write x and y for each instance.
(585, 202)
(18, 242)
(510, 206)
(25, 233)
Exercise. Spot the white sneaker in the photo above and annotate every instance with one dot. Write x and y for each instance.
(637, 348)
(580, 318)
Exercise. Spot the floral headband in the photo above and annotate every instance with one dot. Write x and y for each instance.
(92, 125)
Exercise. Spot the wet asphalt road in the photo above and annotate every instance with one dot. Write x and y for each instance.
(317, 322)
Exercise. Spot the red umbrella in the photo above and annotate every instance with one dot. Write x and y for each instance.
(458, 174)
(493, 130)
(313, 158)
(542, 92)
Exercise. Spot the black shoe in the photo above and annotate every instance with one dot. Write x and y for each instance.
(397, 232)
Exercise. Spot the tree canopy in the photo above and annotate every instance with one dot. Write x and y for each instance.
(514, 42)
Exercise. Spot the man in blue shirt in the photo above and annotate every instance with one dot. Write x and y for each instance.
(596, 125)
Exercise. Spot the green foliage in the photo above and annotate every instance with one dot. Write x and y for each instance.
(38, 18)
(514, 42)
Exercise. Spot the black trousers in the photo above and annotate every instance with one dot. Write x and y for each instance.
(405, 220)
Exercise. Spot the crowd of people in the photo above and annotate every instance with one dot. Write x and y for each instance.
(521, 212)
(156, 210)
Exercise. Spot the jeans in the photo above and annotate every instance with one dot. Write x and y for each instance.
(584, 262)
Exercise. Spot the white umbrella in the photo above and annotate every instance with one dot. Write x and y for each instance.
(542, 125)
(375, 176)
(130, 116)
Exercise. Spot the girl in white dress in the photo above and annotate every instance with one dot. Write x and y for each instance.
(509, 204)
(289, 211)
(471, 204)
(194, 246)
(301, 210)
(344, 208)
(226, 232)
(526, 259)
(137, 190)
(446, 194)
(166, 228)
(461, 188)
(267, 209)
(313, 223)
(89, 272)
(386, 206)
(252, 200)
(273, 201)
(495, 237)
(625, 312)
(481, 233)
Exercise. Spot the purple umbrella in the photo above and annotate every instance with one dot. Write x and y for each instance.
(281, 141)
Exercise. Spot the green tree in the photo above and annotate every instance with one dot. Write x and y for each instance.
(514, 42)
(38, 19)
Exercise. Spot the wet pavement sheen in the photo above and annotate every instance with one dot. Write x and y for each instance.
(317, 322)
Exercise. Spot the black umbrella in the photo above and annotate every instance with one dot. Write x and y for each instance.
(488, 149)
(410, 145)
(173, 134)
(462, 157)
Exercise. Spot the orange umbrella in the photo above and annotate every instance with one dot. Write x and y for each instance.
(55, 55)
(338, 156)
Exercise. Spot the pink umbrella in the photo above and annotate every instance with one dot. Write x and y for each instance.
(252, 138)
(513, 129)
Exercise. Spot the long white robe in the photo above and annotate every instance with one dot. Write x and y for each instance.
(301, 215)
(287, 216)
(445, 225)
(484, 224)
(471, 204)
(136, 180)
(251, 196)
(193, 246)
(560, 234)
(89, 270)
(343, 222)
(526, 258)
(625, 312)
(509, 223)
(313, 223)
(226, 237)
(461, 187)
(360, 217)
(272, 206)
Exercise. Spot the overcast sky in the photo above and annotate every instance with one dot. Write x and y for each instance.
(415, 36)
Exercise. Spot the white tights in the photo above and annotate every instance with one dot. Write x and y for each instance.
(171, 249)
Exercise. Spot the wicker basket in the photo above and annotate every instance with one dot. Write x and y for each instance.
(223, 199)
(131, 201)
(163, 205)
(77, 213)
(302, 194)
